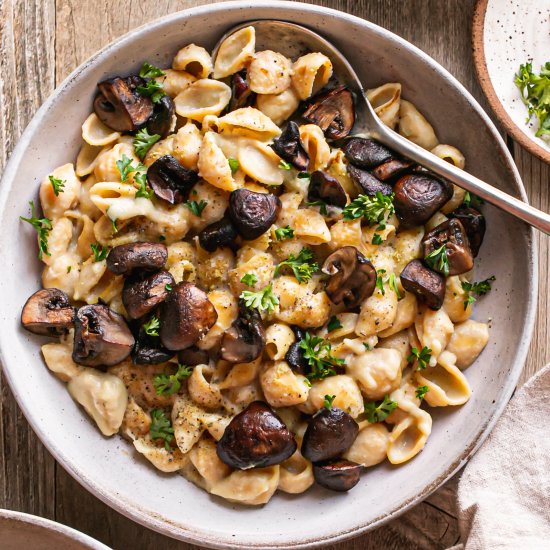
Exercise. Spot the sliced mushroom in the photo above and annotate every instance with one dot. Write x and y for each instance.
(255, 438)
(101, 337)
(367, 183)
(329, 434)
(148, 350)
(418, 197)
(125, 258)
(140, 296)
(326, 188)
(333, 112)
(253, 213)
(241, 94)
(186, 316)
(295, 354)
(366, 153)
(244, 341)
(338, 475)
(452, 235)
(160, 122)
(391, 169)
(474, 224)
(352, 277)
(193, 356)
(426, 284)
(48, 312)
(290, 148)
(119, 105)
(218, 234)
(170, 180)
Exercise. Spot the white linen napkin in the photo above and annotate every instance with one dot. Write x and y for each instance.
(504, 491)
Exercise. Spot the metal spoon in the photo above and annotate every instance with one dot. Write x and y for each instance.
(294, 40)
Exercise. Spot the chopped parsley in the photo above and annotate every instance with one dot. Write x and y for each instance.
(304, 175)
(113, 224)
(535, 92)
(374, 209)
(168, 287)
(43, 227)
(152, 326)
(57, 185)
(69, 267)
(284, 165)
(282, 233)
(318, 353)
(423, 357)
(303, 265)
(421, 391)
(438, 260)
(125, 167)
(327, 403)
(99, 251)
(249, 279)
(152, 89)
(480, 288)
(196, 207)
(391, 279)
(150, 71)
(377, 239)
(143, 141)
(367, 346)
(470, 198)
(379, 412)
(263, 300)
(321, 204)
(143, 190)
(233, 164)
(333, 323)
(168, 384)
(161, 428)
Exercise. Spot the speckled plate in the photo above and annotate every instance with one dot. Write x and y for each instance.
(507, 33)
(20, 531)
(108, 467)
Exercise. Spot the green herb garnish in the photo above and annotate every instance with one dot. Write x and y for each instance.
(168, 384)
(318, 353)
(125, 167)
(303, 265)
(249, 279)
(421, 391)
(152, 326)
(282, 233)
(470, 198)
(284, 165)
(196, 207)
(438, 260)
(423, 357)
(143, 190)
(321, 204)
(161, 428)
(168, 287)
(480, 288)
(535, 92)
(333, 323)
(43, 227)
(143, 141)
(304, 175)
(99, 251)
(57, 185)
(263, 300)
(113, 225)
(377, 239)
(152, 89)
(374, 209)
(150, 71)
(391, 279)
(233, 164)
(327, 403)
(379, 412)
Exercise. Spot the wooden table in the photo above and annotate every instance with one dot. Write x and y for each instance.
(42, 41)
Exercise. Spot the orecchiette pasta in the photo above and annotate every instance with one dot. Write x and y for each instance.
(269, 73)
(194, 60)
(235, 52)
(311, 72)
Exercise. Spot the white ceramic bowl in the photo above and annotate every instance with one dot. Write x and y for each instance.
(169, 504)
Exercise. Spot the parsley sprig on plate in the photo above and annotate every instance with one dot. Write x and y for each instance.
(161, 428)
(57, 185)
(374, 209)
(143, 141)
(479, 288)
(535, 92)
(378, 412)
(303, 265)
(43, 227)
(263, 300)
(318, 353)
(168, 384)
(422, 357)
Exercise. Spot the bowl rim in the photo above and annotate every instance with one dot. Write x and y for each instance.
(187, 533)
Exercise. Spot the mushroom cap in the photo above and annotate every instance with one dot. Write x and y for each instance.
(101, 338)
(366, 153)
(391, 169)
(253, 213)
(426, 284)
(324, 187)
(148, 350)
(186, 316)
(352, 277)
(125, 258)
(160, 122)
(241, 94)
(290, 148)
(337, 475)
(140, 296)
(367, 183)
(255, 438)
(170, 180)
(333, 111)
(474, 224)
(48, 312)
(218, 234)
(193, 356)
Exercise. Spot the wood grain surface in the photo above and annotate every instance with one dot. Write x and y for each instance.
(41, 42)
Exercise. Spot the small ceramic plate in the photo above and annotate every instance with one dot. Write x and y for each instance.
(507, 33)
(20, 531)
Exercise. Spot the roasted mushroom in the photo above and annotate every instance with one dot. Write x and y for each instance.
(170, 180)
(119, 105)
(474, 224)
(326, 188)
(101, 338)
(140, 296)
(366, 153)
(218, 234)
(391, 169)
(244, 341)
(367, 183)
(253, 213)
(290, 148)
(186, 316)
(338, 475)
(160, 122)
(148, 350)
(418, 197)
(329, 434)
(295, 354)
(450, 240)
(352, 277)
(426, 284)
(125, 258)
(48, 312)
(193, 356)
(255, 438)
(241, 94)
(333, 112)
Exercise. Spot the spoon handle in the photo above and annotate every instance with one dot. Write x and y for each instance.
(538, 219)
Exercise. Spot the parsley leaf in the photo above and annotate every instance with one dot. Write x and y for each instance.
(421, 391)
(57, 185)
(150, 71)
(333, 323)
(377, 239)
(152, 326)
(379, 413)
(152, 89)
(391, 279)
(321, 204)
(249, 279)
(535, 92)
(125, 167)
(100, 252)
(374, 209)
(143, 191)
(423, 357)
(437, 259)
(284, 165)
(233, 164)
(304, 175)
(318, 353)
(480, 288)
(168, 384)
(143, 141)
(168, 287)
(367, 346)
(113, 224)
(282, 233)
(161, 427)
(327, 403)
(196, 207)
(470, 198)
(303, 265)
(43, 227)
(263, 300)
